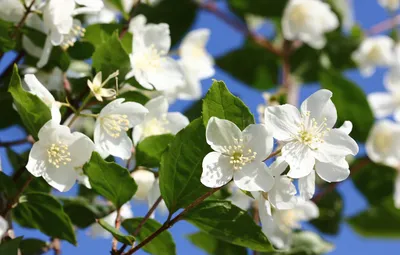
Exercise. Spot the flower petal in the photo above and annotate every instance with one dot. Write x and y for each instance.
(300, 159)
(81, 149)
(382, 104)
(307, 210)
(320, 107)
(346, 127)
(157, 107)
(257, 139)
(217, 171)
(283, 120)
(331, 172)
(254, 177)
(157, 36)
(176, 122)
(282, 195)
(37, 159)
(278, 167)
(221, 133)
(307, 185)
(62, 178)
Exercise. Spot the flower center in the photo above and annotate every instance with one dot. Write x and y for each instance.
(149, 59)
(115, 124)
(383, 141)
(239, 156)
(69, 39)
(58, 154)
(299, 13)
(289, 220)
(156, 127)
(374, 53)
(311, 133)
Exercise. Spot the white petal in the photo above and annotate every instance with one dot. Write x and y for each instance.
(62, 178)
(254, 177)
(283, 120)
(346, 127)
(55, 113)
(221, 133)
(157, 107)
(320, 107)
(278, 167)
(37, 159)
(240, 199)
(382, 104)
(145, 180)
(307, 210)
(120, 147)
(307, 185)
(217, 171)
(81, 149)
(158, 36)
(3, 226)
(282, 195)
(257, 139)
(300, 159)
(168, 76)
(176, 122)
(37, 88)
(331, 172)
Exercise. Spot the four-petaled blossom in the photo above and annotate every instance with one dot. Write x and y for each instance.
(96, 86)
(150, 63)
(309, 139)
(391, 5)
(238, 155)
(112, 124)
(374, 51)
(159, 121)
(308, 20)
(58, 155)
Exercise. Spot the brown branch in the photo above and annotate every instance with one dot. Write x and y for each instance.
(132, 14)
(170, 223)
(56, 246)
(16, 197)
(147, 216)
(273, 154)
(117, 226)
(15, 142)
(384, 25)
(23, 19)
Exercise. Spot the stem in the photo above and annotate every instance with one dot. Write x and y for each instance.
(117, 226)
(170, 223)
(126, 27)
(15, 199)
(291, 89)
(384, 25)
(273, 154)
(147, 216)
(23, 19)
(77, 114)
(12, 143)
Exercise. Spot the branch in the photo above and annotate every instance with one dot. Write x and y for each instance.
(16, 197)
(117, 226)
(132, 14)
(273, 154)
(23, 19)
(15, 142)
(170, 223)
(384, 25)
(147, 216)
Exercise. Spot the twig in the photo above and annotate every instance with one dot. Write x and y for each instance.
(147, 216)
(273, 154)
(132, 14)
(170, 223)
(23, 19)
(15, 142)
(16, 197)
(117, 226)
(56, 246)
(384, 25)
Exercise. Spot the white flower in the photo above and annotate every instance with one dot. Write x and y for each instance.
(391, 5)
(238, 155)
(3, 226)
(96, 86)
(308, 138)
(194, 54)
(114, 120)
(137, 24)
(384, 104)
(346, 10)
(150, 2)
(383, 143)
(53, 80)
(98, 231)
(308, 20)
(144, 180)
(374, 51)
(58, 154)
(159, 121)
(154, 194)
(278, 225)
(239, 198)
(151, 66)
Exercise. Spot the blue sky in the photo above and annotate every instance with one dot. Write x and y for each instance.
(224, 39)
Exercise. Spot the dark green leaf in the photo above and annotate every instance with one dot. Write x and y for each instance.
(258, 67)
(11, 246)
(330, 213)
(219, 102)
(7, 185)
(265, 8)
(42, 211)
(181, 167)
(81, 50)
(34, 113)
(126, 239)
(134, 96)
(194, 111)
(7, 113)
(351, 103)
(110, 180)
(229, 223)
(110, 56)
(163, 244)
(214, 246)
(6, 42)
(150, 150)
(33, 246)
(88, 194)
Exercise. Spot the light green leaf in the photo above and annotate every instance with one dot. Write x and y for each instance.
(214, 246)
(34, 113)
(42, 211)
(229, 223)
(32, 246)
(150, 150)
(126, 239)
(97, 34)
(351, 103)
(181, 167)
(110, 180)
(11, 246)
(163, 244)
(219, 102)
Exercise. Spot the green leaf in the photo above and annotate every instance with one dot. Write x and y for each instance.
(119, 5)
(163, 244)
(33, 112)
(42, 211)
(97, 34)
(81, 50)
(134, 96)
(374, 181)
(111, 56)
(194, 110)
(219, 102)
(178, 14)
(7, 113)
(258, 67)
(7, 185)
(330, 213)
(229, 223)
(265, 8)
(82, 213)
(215, 246)
(32, 246)
(110, 180)
(11, 246)
(126, 239)
(351, 103)
(150, 150)
(382, 220)
(6, 42)
(181, 167)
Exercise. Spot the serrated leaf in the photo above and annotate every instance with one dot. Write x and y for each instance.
(98, 34)
(351, 103)
(32, 246)
(219, 102)
(110, 180)
(42, 211)
(181, 167)
(34, 113)
(126, 239)
(214, 246)
(11, 246)
(229, 223)
(150, 150)
(163, 244)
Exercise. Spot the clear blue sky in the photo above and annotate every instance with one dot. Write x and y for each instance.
(224, 39)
